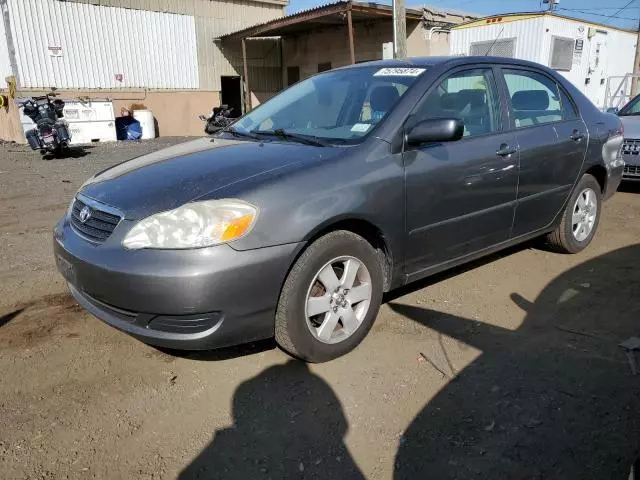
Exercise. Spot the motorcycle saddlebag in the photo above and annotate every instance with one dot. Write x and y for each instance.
(62, 132)
(33, 139)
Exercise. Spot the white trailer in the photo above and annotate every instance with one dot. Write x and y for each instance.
(586, 53)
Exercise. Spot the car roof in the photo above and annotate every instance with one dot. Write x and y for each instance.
(452, 60)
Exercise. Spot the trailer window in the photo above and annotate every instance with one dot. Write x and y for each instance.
(562, 53)
(505, 47)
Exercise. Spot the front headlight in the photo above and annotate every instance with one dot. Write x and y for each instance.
(194, 225)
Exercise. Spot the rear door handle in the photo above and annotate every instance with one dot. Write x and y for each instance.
(506, 150)
(577, 136)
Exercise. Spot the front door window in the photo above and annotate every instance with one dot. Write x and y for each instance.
(469, 95)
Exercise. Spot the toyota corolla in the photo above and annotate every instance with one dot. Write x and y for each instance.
(292, 222)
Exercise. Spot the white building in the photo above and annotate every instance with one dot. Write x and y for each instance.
(588, 54)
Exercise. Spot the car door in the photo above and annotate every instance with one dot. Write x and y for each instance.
(460, 196)
(552, 140)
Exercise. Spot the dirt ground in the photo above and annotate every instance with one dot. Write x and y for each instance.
(508, 368)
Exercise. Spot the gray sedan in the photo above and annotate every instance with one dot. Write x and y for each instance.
(294, 221)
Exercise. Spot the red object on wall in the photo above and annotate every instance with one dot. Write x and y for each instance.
(119, 77)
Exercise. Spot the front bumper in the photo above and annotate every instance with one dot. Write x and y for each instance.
(184, 299)
(631, 157)
(632, 170)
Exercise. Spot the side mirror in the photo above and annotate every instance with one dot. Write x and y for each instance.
(613, 110)
(435, 130)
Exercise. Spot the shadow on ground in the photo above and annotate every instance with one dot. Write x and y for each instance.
(4, 319)
(552, 399)
(629, 187)
(225, 353)
(71, 152)
(287, 423)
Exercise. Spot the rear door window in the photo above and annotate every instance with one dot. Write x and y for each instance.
(535, 98)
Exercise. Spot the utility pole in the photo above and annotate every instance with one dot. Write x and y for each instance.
(635, 82)
(399, 29)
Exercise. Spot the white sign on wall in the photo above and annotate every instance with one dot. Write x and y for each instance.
(387, 51)
(55, 51)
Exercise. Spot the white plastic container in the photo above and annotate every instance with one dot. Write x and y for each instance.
(145, 117)
(91, 121)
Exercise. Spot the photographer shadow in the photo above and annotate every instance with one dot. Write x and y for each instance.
(554, 398)
(287, 423)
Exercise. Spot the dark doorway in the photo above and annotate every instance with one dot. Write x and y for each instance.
(231, 94)
(293, 75)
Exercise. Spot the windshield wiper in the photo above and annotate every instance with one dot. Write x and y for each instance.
(238, 133)
(281, 133)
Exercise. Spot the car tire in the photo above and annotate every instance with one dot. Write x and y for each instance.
(569, 236)
(310, 287)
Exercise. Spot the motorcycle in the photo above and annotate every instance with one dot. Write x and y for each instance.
(219, 119)
(51, 134)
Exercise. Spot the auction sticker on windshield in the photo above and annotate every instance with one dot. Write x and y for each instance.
(399, 72)
(361, 127)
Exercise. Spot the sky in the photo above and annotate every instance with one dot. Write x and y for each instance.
(601, 11)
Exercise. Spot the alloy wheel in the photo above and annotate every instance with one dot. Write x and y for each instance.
(338, 299)
(585, 211)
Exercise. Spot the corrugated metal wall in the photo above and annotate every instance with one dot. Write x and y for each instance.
(197, 8)
(150, 49)
(215, 18)
(216, 60)
(5, 63)
(527, 35)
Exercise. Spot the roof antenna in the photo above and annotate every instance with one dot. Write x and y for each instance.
(494, 42)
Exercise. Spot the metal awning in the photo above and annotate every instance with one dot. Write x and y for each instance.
(334, 14)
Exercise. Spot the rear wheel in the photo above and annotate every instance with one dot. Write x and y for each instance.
(580, 218)
(330, 298)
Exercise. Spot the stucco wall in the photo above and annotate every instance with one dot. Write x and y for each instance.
(331, 45)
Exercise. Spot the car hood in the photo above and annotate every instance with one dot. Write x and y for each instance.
(171, 177)
(631, 125)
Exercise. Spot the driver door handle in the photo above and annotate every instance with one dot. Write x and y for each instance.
(506, 150)
(577, 136)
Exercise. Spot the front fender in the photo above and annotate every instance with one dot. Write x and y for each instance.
(297, 203)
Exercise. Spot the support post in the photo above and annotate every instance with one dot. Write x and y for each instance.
(352, 52)
(635, 81)
(399, 29)
(247, 92)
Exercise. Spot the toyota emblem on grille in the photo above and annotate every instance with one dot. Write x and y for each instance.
(85, 214)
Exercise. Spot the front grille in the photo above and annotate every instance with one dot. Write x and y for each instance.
(98, 227)
(632, 170)
(630, 147)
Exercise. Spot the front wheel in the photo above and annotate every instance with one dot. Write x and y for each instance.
(580, 218)
(330, 298)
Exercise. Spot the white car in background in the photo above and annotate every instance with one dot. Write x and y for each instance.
(630, 117)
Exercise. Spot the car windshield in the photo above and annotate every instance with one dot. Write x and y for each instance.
(340, 106)
(631, 108)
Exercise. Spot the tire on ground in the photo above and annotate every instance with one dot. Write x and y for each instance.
(291, 330)
(562, 238)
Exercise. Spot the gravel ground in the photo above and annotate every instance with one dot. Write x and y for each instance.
(507, 368)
